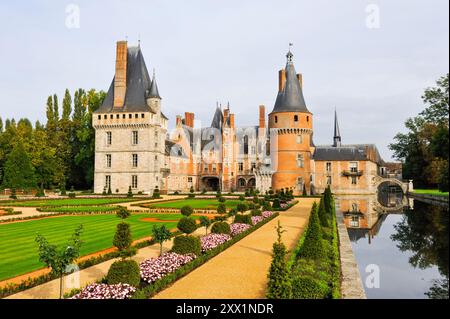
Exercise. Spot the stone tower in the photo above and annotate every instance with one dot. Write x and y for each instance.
(290, 124)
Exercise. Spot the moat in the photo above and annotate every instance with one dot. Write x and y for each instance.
(400, 245)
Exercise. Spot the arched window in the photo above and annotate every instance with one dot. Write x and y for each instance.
(241, 182)
(307, 119)
(300, 160)
(354, 207)
(276, 119)
(295, 118)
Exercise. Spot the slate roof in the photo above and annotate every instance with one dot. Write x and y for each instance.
(290, 98)
(139, 87)
(357, 152)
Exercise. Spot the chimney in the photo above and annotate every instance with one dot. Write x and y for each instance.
(281, 79)
(178, 121)
(262, 116)
(120, 79)
(300, 79)
(232, 120)
(189, 119)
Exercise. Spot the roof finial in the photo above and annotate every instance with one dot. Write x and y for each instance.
(139, 40)
(289, 55)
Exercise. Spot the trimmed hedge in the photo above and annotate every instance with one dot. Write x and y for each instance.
(187, 244)
(243, 219)
(125, 272)
(221, 228)
(305, 287)
(152, 289)
(187, 225)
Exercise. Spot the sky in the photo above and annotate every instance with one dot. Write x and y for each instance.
(369, 60)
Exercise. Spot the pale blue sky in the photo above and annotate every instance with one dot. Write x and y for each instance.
(208, 51)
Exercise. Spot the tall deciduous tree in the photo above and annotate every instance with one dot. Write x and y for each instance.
(18, 170)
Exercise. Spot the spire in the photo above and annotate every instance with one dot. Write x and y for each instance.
(290, 98)
(337, 133)
(154, 87)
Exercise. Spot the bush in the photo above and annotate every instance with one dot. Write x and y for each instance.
(241, 207)
(219, 194)
(221, 228)
(256, 212)
(267, 206)
(323, 216)
(186, 210)
(156, 193)
(232, 212)
(221, 209)
(191, 192)
(305, 287)
(255, 199)
(243, 219)
(241, 197)
(123, 213)
(187, 225)
(130, 192)
(187, 244)
(251, 206)
(222, 199)
(279, 285)
(124, 272)
(313, 245)
(122, 238)
(72, 195)
(276, 204)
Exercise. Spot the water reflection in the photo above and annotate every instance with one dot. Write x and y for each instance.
(407, 239)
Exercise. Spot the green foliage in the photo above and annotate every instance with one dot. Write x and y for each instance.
(276, 203)
(19, 171)
(130, 192)
(205, 222)
(222, 199)
(242, 207)
(13, 193)
(313, 246)
(187, 244)
(123, 212)
(266, 205)
(122, 238)
(218, 194)
(187, 225)
(221, 209)
(191, 192)
(279, 285)
(305, 287)
(244, 219)
(125, 272)
(323, 216)
(160, 234)
(58, 260)
(256, 212)
(221, 228)
(186, 210)
(241, 197)
(156, 193)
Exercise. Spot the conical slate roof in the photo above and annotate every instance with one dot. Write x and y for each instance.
(154, 88)
(217, 119)
(138, 86)
(290, 98)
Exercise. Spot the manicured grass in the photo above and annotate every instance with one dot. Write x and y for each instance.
(430, 192)
(66, 202)
(78, 209)
(195, 203)
(18, 249)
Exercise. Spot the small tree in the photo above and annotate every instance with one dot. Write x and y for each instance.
(242, 207)
(219, 193)
(191, 192)
(58, 260)
(122, 238)
(62, 188)
(130, 192)
(186, 210)
(313, 244)
(160, 235)
(156, 193)
(323, 216)
(109, 190)
(205, 222)
(13, 193)
(279, 286)
(187, 225)
(221, 209)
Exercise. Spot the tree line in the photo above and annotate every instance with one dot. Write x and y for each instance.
(423, 149)
(58, 154)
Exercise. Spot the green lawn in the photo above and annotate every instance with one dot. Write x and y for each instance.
(18, 249)
(430, 192)
(195, 203)
(66, 202)
(78, 209)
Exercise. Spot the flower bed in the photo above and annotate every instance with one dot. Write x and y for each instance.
(155, 268)
(267, 214)
(104, 291)
(238, 228)
(257, 219)
(213, 240)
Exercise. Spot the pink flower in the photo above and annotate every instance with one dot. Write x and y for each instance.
(213, 240)
(155, 268)
(238, 228)
(256, 219)
(267, 214)
(104, 291)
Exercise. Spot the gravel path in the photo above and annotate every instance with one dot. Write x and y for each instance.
(241, 271)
